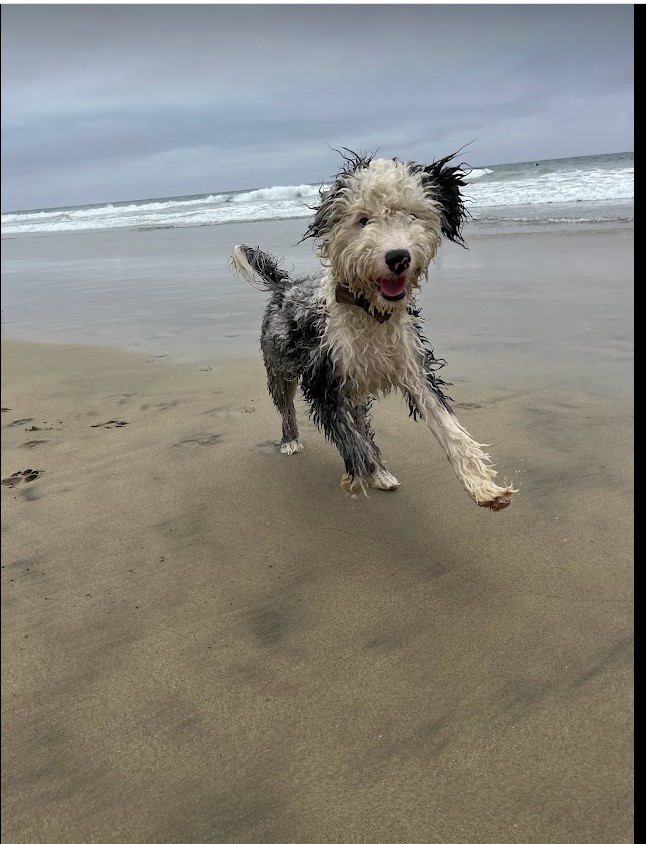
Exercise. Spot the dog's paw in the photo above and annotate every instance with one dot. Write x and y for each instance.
(500, 501)
(351, 486)
(24, 477)
(291, 447)
(382, 479)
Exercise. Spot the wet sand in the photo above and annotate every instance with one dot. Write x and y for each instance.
(205, 640)
(550, 308)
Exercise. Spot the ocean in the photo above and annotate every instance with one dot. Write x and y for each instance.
(559, 192)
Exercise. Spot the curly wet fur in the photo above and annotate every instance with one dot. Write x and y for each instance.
(377, 229)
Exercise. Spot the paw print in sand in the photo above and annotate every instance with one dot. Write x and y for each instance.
(111, 423)
(26, 477)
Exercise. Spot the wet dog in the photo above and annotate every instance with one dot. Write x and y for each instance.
(355, 333)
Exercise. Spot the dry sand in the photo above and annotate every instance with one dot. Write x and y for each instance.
(204, 640)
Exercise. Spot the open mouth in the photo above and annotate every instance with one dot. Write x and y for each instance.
(393, 289)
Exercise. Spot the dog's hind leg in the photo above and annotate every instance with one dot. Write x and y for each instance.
(381, 477)
(282, 390)
(470, 463)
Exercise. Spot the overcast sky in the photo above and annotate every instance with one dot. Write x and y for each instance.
(120, 102)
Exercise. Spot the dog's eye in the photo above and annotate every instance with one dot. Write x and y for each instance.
(363, 222)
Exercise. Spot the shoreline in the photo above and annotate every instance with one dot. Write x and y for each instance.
(554, 307)
(484, 226)
(206, 640)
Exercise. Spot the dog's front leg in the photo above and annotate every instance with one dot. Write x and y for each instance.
(470, 463)
(333, 414)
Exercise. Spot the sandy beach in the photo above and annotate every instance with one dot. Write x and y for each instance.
(204, 640)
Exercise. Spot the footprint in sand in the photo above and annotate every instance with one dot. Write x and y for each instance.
(17, 422)
(205, 439)
(122, 397)
(162, 406)
(268, 447)
(229, 410)
(33, 443)
(26, 477)
(111, 423)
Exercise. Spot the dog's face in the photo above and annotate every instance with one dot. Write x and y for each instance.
(381, 223)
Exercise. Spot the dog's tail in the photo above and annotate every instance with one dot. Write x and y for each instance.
(258, 268)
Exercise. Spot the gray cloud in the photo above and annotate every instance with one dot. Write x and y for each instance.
(115, 102)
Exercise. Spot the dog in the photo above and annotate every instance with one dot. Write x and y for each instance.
(356, 333)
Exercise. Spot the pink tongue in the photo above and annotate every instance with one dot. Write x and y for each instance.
(392, 286)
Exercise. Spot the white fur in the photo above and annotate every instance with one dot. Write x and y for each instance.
(382, 479)
(401, 216)
(292, 447)
(470, 463)
(374, 358)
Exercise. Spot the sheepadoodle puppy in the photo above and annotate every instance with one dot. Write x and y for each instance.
(355, 333)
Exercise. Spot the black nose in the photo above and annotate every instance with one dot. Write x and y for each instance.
(398, 260)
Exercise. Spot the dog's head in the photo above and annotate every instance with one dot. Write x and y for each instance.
(381, 222)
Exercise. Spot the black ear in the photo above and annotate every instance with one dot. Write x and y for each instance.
(443, 184)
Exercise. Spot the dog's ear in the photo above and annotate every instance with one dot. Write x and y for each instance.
(324, 214)
(443, 184)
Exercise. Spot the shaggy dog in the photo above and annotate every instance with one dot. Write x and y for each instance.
(355, 333)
